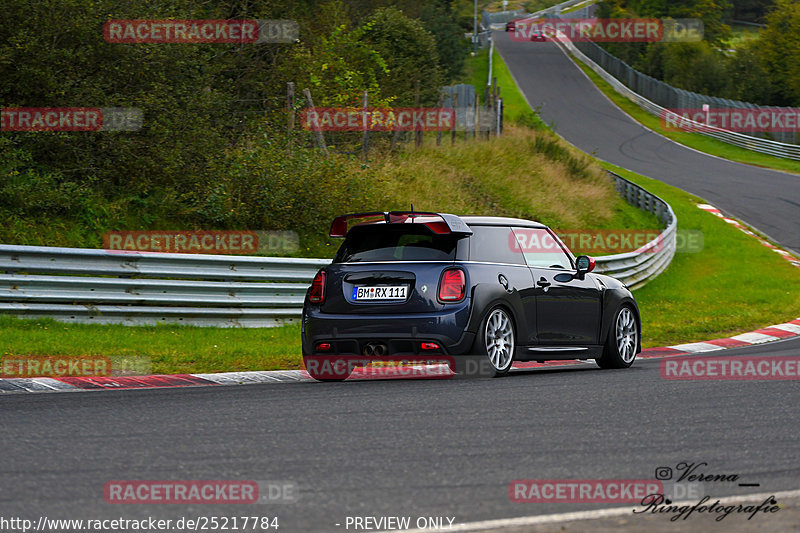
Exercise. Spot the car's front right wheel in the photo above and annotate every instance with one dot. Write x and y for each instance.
(622, 340)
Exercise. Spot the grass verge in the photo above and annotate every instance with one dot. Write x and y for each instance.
(169, 350)
(692, 140)
(735, 284)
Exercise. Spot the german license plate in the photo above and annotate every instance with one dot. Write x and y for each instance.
(391, 292)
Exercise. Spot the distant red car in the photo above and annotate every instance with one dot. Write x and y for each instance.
(538, 36)
(511, 25)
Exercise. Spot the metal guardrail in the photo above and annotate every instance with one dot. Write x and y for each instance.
(139, 288)
(636, 268)
(756, 144)
(136, 288)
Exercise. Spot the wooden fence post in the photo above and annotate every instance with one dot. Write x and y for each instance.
(365, 136)
(439, 129)
(477, 121)
(320, 138)
(418, 133)
(455, 118)
(290, 106)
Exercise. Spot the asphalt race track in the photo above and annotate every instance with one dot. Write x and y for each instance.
(567, 100)
(421, 447)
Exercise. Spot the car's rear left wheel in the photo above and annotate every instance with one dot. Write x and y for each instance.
(496, 341)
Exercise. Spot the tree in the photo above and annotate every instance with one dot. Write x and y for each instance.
(451, 45)
(780, 47)
(751, 10)
(713, 13)
(695, 67)
(750, 80)
(410, 53)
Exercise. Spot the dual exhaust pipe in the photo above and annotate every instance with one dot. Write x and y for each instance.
(375, 348)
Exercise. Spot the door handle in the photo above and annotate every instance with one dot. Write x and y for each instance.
(543, 283)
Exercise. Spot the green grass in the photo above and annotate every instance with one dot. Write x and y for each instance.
(476, 69)
(692, 140)
(525, 173)
(735, 284)
(168, 349)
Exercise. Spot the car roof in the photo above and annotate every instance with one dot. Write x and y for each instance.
(500, 221)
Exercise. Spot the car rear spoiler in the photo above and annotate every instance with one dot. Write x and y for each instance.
(440, 223)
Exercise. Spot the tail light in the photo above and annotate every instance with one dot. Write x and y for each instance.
(452, 286)
(317, 292)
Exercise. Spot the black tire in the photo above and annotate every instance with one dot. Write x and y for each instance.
(495, 342)
(622, 341)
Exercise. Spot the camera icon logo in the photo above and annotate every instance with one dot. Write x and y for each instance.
(663, 473)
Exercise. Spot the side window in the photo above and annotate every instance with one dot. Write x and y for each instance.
(541, 248)
(494, 244)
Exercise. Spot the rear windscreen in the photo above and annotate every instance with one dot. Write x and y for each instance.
(396, 242)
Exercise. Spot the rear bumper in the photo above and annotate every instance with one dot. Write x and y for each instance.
(401, 333)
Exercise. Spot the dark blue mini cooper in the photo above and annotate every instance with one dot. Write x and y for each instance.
(503, 289)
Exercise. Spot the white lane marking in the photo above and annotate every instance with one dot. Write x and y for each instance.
(38, 385)
(599, 513)
(54, 384)
(696, 347)
(271, 376)
(754, 338)
(793, 328)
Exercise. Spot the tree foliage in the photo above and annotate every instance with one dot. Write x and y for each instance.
(204, 105)
(780, 50)
(763, 71)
